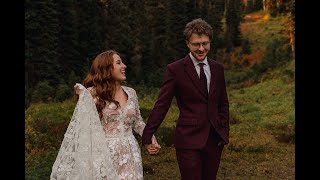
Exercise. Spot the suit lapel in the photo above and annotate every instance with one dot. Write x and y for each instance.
(213, 76)
(192, 73)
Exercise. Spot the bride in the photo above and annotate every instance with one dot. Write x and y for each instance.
(99, 143)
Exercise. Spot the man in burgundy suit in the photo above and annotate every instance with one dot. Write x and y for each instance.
(202, 129)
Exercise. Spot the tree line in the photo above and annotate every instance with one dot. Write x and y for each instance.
(63, 37)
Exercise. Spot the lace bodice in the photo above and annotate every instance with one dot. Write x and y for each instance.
(118, 124)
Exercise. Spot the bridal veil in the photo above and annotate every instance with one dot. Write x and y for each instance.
(83, 154)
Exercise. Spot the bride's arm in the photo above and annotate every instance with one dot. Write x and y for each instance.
(139, 125)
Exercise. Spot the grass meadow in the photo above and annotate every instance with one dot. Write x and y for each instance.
(262, 136)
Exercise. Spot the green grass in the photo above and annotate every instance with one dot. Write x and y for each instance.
(261, 135)
(267, 102)
(261, 31)
(55, 111)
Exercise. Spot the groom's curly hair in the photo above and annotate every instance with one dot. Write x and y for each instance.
(197, 26)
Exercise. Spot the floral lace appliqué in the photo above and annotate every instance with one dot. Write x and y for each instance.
(118, 125)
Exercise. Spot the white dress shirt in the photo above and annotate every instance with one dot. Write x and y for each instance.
(206, 68)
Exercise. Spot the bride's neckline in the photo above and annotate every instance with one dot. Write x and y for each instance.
(122, 107)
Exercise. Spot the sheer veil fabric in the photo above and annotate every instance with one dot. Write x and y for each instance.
(84, 154)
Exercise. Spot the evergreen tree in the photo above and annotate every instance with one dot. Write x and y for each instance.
(271, 6)
(92, 29)
(176, 21)
(249, 6)
(215, 12)
(41, 43)
(199, 10)
(117, 32)
(61, 37)
(119, 36)
(154, 67)
(258, 5)
(137, 28)
(69, 50)
(233, 18)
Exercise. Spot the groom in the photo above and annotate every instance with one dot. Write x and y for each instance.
(198, 83)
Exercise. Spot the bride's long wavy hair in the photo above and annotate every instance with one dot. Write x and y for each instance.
(100, 78)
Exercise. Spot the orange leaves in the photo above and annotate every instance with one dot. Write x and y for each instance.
(246, 60)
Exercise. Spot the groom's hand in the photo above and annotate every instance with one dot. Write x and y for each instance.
(153, 149)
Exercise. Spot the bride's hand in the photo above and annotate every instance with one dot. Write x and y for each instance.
(155, 142)
(76, 91)
(154, 147)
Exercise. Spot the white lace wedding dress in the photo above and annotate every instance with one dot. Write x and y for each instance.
(100, 150)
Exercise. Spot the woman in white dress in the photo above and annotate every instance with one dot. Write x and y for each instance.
(99, 142)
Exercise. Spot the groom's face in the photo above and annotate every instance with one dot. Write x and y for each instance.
(199, 45)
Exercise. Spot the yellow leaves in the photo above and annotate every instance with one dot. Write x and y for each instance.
(266, 17)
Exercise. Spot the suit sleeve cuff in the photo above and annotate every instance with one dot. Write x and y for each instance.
(146, 139)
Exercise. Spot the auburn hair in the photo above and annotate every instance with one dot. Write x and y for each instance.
(101, 80)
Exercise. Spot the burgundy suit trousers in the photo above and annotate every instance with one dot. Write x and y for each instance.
(201, 164)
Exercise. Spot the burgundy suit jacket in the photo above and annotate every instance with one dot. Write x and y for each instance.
(196, 111)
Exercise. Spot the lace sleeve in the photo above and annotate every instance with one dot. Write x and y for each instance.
(84, 154)
(138, 125)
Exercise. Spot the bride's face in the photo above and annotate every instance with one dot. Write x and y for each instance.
(119, 69)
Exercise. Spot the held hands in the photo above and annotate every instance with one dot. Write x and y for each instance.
(153, 148)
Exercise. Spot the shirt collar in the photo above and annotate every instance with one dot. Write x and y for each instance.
(196, 62)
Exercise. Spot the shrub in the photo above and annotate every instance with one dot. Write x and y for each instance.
(43, 92)
(246, 49)
(277, 53)
(38, 167)
(63, 92)
(73, 78)
(27, 97)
